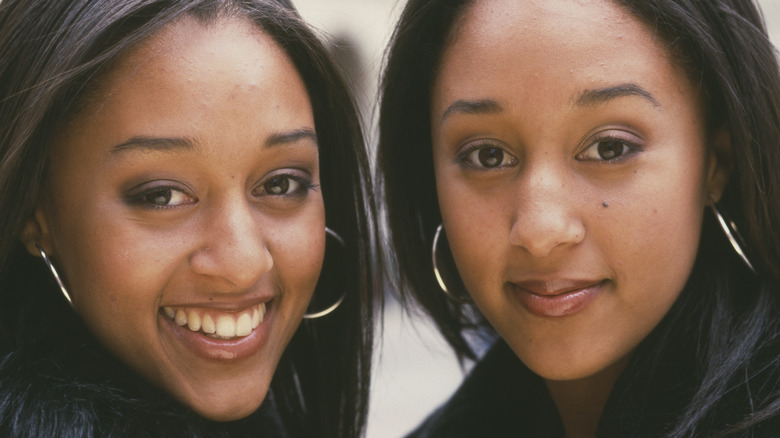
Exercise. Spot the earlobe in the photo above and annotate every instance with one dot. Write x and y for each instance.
(36, 232)
(719, 163)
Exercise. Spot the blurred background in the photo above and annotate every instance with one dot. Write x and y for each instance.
(414, 371)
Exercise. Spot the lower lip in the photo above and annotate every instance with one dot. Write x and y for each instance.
(221, 349)
(564, 304)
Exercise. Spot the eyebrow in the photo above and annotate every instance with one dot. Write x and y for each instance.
(280, 138)
(603, 95)
(159, 144)
(481, 106)
(172, 144)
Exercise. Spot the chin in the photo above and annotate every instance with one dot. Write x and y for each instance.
(562, 375)
(226, 410)
(223, 402)
(577, 368)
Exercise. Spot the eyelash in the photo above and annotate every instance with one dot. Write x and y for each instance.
(305, 185)
(629, 149)
(141, 196)
(465, 157)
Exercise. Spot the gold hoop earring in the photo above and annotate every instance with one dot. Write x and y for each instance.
(437, 274)
(334, 306)
(54, 273)
(730, 230)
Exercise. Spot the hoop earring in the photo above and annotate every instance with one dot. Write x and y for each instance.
(54, 273)
(730, 229)
(334, 306)
(436, 272)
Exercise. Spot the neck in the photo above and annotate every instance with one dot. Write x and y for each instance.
(580, 402)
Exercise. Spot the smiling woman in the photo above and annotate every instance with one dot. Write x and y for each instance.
(552, 166)
(173, 164)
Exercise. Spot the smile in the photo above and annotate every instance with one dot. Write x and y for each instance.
(541, 300)
(218, 325)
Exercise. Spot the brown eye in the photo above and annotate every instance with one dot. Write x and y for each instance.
(284, 184)
(159, 198)
(278, 185)
(612, 146)
(610, 149)
(487, 155)
(490, 157)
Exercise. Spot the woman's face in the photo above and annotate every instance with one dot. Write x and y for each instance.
(184, 211)
(572, 169)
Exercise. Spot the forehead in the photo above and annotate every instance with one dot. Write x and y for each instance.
(188, 53)
(222, 84)
(192, 64)
(562, 46)
(500, 19)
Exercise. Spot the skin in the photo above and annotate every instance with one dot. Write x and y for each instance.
(241, 219)
(601, 171)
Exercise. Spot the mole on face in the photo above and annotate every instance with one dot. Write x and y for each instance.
(604, 204)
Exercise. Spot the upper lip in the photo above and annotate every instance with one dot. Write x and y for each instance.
(224, 303)
(554, 286)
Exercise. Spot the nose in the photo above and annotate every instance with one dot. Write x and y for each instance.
(545, 214)
(233, 248)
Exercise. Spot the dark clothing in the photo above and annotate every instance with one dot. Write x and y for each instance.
(501, 397)
(487, 405)
(56, 381)
(75, 389)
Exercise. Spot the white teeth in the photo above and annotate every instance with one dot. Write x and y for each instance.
(226, 327)
(244, 325)
(180, 318)
(207, 325)
(193, 321)
(255, 318)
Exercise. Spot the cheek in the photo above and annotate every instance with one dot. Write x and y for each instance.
(656, 246)
(298, 251)
(657, 218)
(648, 238)
(476, 230)
(298, 259)
(112, 260)
(117, 276)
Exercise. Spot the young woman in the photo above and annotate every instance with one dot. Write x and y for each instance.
(171, 174)
(570, 166)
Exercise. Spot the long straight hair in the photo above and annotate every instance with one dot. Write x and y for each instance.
(728, 314)
(51, 55)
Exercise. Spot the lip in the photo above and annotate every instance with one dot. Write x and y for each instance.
(222, 349)
(226, 305)
(555, 298)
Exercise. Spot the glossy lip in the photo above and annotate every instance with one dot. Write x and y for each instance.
(555, 298)
(219, 349)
